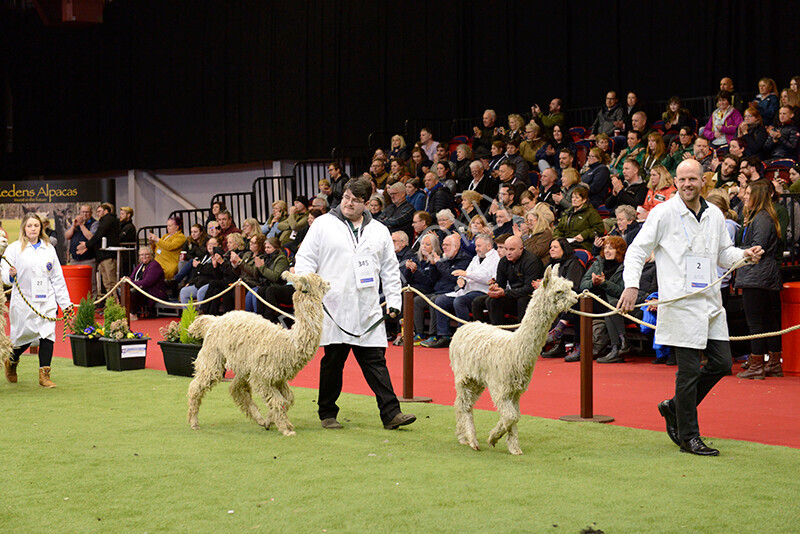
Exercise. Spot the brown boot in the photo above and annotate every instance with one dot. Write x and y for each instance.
(44, 378)
(773, 366)
(756, 368)
(10, 367)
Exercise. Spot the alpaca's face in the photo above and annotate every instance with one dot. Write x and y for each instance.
(559, 290)
(312, 284)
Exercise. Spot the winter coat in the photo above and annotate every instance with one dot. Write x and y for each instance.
(167, 252)
(585, 221)
(598, 178)
(766, 274)
(611, 289)
(669, 231)
(785, 146)
(516, 277)
(604, 123)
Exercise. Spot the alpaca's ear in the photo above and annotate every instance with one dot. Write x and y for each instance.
(555, 270)
(289, 276)
(548, 273)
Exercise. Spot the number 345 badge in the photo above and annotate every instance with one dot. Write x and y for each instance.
(365, 271)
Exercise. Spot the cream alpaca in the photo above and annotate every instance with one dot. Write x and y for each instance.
(483, 355)
(263, 355)
(5, 342)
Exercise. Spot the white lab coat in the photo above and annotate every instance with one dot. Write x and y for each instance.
(692, 321)
(329, 249)
(26, 326)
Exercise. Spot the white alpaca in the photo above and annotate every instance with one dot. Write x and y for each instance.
(5, 342)
(483, 355)
(263, 355)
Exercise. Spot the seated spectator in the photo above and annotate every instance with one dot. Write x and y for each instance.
(462, 173)
(792, 99)
(679, 147)
(381, 155)
(570, 180)
(609, 118)
(245, 268)
(337, 178)
(538, 233)
(513, 285)
(427, 144)
(279, 213)
(399, 213)
(723, 124)
(472, 282)
(737, 147)
(224, 276)
(655, 153)
(319, 203)
(783, 138)
(597, 177)
(203, 273)
(446, 221)
(625, 226)
(634, 150)
(294, 245)
(483, 183)
(250, 227)
(661, 187)
(676, 116)
(549, 121)
(632, 106)
(414, 195)
(630, 189)
(503, 222)
(767, 100)
(445, 176)
(483, 134)
(398, 172)
(563, 256)
(148, 275)
(532, 143)
(548, 188)
(423, 275)
(297, 220)
(520, 165)
(726, 84)
(527, 201)
(515, 128)
(548, 155)
(508, 177)
(498, 151)
(375, 206)
(701, 151)
(752, 132)
(581, 223)
(402, 250)
(377, 172)
(443, 156)
(226, 226)
(604, 279)
(167, 249)
(217, 207)
(603, 142)
(438, 197)
(420, 222)
(727, 172)
(477, 225)
(398, 150)
(419, 165)
(193, 249)
(271, 286)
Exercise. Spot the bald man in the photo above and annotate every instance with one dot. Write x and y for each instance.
(512, 290)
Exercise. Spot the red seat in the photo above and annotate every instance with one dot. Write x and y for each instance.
(577, 133)
(584, 256)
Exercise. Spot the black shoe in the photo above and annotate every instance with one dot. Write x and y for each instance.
(672, 421)
(331, 423)
(660, 359)
(441, 342)
(696, 446)
(557, 351)
(612, 357)
(574, 356)
(400, 420)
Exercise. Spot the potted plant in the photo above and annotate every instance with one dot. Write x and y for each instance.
(179, 348)
(124, 350)
(87, 349)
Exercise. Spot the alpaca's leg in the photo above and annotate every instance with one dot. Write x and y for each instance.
(467, 394)
(278, 406)
(283, 387)
(509, 415)
(240, 392)
(513, 435)
(201, 385)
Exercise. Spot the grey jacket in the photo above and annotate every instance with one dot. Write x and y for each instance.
(766, 274)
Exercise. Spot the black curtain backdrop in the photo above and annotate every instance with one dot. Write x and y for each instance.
(199, 83)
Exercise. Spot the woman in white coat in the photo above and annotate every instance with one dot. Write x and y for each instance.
(32, 266)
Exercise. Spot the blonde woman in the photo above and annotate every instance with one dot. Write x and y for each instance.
(32, 267)
(661, 188)
(167, 248)
(539, 234)
(250, 228)
(280, 210)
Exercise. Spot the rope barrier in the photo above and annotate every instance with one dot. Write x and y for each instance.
(264, 302)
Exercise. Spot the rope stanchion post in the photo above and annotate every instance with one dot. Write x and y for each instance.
(240, 294)
(408, 350)
(125, 301)
(587, 378)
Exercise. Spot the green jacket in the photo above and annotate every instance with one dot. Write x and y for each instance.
(611, 289)
(671, 161)
(624, 155)
(272, 272)
(586, 222)
(549, 121)
(292, 223)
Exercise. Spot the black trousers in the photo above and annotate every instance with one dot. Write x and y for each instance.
(373, 365)
(762, 309)
(479, 308)
(275, 295)
(227, 300)
(692, 383)
(45, 352)
(499, 307)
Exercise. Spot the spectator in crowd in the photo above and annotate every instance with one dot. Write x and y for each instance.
(513, 286)
(419, 165)
(108, 230)
(727, 172)
(445, 176)
(398, 150)
(482, 135)
(726, 84)
(604, 279)
(398, 215)
(225, 276)
(470, 206)
(570, 179)
(538, 234)
(684, 144)
(555, 116)
(737, 147)
(476, 226)
(296, 221)
(375, 206)
(632, 106)
(421, 221)
(515, 129)
(381, 155)
(752, 132)
(609, 118)
(421, 274)
(272, 287)
(213, 229)
(193, 249)
(792, 99)
(508, 177)
(127, 231)
(701, 152)
(625, 226)
(723, 124)
(794, 84)
(482, 183)
(503, 222)
(402, 250)
(761, 282)
(581, 223)
(244, 267)
(148, 276)
(337, 178)
(203, 273)
(630, 189)
(462, 173)
(294, 245)
(635, 149)
(217, 207)
(720, 199)
(783, 138)
(226, 226)
(498, 151)
(548, 155)
(640, 124)
(438, 197)
(767, 100)
(603, 142)
(167, 249)
(267, 265)
(655, 153)
(596, 177)
(472, 282)
(548, 188)
(427, 144)
(566, 160)
(279, 213)
(793, 184)
(562, 255)
(520, 165)
(446, 221)
(676, 116)
(414, 195)
(443, 155)
(398, 172)
(80, 232)
(319, 203)
(532, 143)
(250, 227)
(377, 171)
(660, 188)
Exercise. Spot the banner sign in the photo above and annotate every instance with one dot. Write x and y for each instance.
(54, 191)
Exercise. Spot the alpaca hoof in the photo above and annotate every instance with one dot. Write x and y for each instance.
(463, 442)
(492, 440)
(195, 426)
(290, 433)
(515, 452)
(474, 446)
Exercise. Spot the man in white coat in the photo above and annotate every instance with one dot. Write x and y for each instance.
(689, 239)
(355, 254)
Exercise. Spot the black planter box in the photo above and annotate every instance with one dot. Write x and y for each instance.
(86, 352)
(118, 353)
(179, 357)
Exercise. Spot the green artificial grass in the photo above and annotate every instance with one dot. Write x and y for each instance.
(112, 452)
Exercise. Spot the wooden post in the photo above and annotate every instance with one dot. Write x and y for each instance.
(125, 300)
(587, 378)
(240, 293)
(408, 350)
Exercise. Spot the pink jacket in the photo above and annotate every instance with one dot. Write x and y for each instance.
(729, 127)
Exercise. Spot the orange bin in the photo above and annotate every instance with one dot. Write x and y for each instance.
(790, 316)
(79, 281)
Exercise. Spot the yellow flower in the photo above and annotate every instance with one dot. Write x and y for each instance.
(130, 335)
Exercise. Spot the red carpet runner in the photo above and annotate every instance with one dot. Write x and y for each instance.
(764, 411)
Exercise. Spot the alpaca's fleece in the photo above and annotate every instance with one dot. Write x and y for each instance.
(6, 347)
(263, 355)
(483, 355)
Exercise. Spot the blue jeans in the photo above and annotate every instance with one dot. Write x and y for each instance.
(460, 305)
(185, 271)
(194, 293)
(250, 301)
